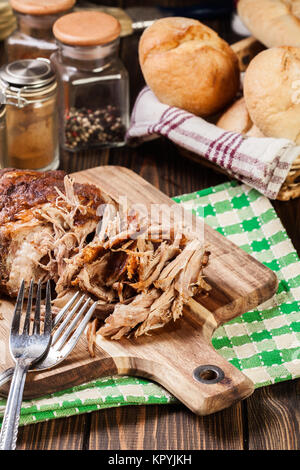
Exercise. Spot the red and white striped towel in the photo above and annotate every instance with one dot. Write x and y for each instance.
(262, 163)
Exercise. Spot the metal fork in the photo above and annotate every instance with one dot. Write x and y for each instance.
(64, 338)
(25, 349)
(63, 342)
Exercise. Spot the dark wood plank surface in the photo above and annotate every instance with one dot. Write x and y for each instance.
(269, 419)
(273, 416)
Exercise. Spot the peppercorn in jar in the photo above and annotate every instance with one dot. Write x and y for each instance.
(92, 81)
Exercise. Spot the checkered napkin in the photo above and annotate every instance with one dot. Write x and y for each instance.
(263, 343)
(262, 163)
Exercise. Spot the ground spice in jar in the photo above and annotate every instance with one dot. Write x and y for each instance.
(3, 149)
(85, 127)
(29, 88)
(30, 137)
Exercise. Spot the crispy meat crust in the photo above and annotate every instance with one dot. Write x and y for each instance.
(44, 217)
(21, 190)
(142, 275)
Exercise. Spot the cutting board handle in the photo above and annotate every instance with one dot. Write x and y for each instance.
(205, 386)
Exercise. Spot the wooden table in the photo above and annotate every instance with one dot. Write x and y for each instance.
(269, 419)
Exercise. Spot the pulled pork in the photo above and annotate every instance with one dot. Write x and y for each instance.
(140, 275)
(44, 219)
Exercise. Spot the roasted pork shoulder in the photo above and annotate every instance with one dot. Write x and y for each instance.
(141, 278)
(44, 219)
(141, 274)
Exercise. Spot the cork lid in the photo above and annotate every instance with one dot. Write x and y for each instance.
(45, 7)
(86, 28)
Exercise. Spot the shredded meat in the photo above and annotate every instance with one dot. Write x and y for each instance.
(141, 275)
(146, 279)
(175, 275)
(45, 219)
(91, 336)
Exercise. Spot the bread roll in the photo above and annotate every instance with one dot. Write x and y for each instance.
(237, 119)
(254, 132)
(272, 92)
(272, 22)
(186, 64)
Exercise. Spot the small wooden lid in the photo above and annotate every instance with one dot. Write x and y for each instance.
(45, 7)
(86, 28)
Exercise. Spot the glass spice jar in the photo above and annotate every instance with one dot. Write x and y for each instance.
(2, 131)
(30, 91)
(33, 37)
(92, 81)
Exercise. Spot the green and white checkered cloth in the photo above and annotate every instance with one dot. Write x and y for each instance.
(263, 343)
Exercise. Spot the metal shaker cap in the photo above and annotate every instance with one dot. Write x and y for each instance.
(29, 73)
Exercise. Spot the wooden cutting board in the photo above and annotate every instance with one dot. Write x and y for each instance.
(180, 356)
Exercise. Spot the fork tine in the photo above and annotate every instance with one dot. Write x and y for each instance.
(37, 314)
(65, 309)
(61, 341)
(48, 313)
(18, 309)
(28, 311)
(62, 326)
(71, 343)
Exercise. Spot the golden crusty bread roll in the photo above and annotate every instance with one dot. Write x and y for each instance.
(186, 64)
(272, 92)
(255, 132)
(237, 119)
(272, 22)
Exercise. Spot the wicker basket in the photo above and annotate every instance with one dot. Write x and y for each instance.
(246, 50)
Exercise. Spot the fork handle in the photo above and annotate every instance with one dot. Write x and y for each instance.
(9, 430)
(6, 376)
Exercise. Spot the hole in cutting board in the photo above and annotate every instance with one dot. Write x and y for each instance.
(208, 374)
